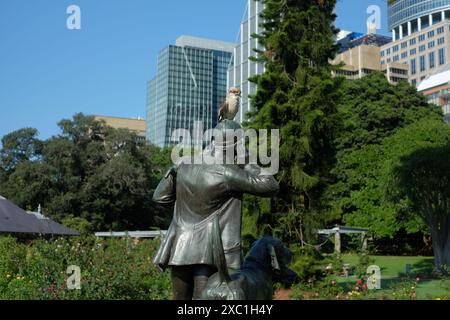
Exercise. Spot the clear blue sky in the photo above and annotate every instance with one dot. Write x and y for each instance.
(48, 72)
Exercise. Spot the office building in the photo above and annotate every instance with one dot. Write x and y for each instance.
(421, 36)
(135, 125)
(189, 87)
(360, 55)
(242, 68)
(406, 17)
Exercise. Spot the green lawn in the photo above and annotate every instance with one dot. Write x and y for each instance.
(395, 266)
(393, 270)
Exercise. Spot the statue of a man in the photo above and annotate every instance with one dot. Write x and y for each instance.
(200, 193)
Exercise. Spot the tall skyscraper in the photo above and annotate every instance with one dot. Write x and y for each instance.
(242, 67)
(421, 36)
(409, 16)
(190, 85)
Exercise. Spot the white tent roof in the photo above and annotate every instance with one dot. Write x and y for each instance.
(440, 77)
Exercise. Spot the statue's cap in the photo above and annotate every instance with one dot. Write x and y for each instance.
(222, 135)
(228, 125)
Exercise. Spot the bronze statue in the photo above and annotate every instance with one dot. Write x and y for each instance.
(202, 192)
(266, 263)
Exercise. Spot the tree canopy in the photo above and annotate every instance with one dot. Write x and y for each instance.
(88, 171)
(380, 122)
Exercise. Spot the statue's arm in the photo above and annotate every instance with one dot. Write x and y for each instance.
(250, 180)
(165, 193)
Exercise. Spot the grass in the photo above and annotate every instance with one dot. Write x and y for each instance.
(395, 266)
(393, 273)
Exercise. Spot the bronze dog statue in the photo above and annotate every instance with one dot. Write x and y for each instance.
(266, 263)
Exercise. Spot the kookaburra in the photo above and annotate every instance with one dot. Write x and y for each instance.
(229, 109)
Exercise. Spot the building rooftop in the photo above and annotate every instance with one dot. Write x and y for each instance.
(438, 78)
(189, 41)
(355, 39)
(134, 124)
(14, 220)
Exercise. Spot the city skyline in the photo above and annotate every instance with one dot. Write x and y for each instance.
(50, 73)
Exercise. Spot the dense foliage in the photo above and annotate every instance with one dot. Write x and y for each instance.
(110, 270)
(381, 123)
(297, 95)
(92, 171)
(339, 138)
(421, 183)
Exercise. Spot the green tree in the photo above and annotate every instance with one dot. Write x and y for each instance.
(93, 172)
(118, 194)
(372, 111)
(29, 185)
(83, 226)
(420, 184)
(369, 174)
(3, 176)
(18, 146)
(297, 95)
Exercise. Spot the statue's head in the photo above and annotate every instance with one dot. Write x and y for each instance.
(227, 137)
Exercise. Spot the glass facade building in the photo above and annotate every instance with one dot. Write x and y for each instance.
(189, 87)
(242, 68)
(409, 16)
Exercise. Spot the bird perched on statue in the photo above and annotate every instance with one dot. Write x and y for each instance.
(230, 107)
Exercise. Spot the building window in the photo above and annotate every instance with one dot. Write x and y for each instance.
(412, 52)
(441, 56)
(431, 60)
(431, 34)
(388, 51)
(422, 63)
(430, 44)
(422, 48)
(395, 48)
(413, 66)
(440, 30)
(395, 58)
(388, 60)
(412, 41)
(382, 53)
(404, 44)
(414, 82)
(382, 62)
(421, 38)
(441, 41)
(404, 55)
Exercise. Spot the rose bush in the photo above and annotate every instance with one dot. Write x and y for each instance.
(110, 269)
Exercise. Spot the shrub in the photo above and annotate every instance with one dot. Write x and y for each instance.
(112, 269)
(308, 263)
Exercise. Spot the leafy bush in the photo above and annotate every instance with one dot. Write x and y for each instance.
(113, 269)
(308, 263)
(364, 261)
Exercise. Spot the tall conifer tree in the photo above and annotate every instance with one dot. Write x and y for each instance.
(298, 95)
